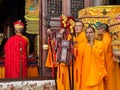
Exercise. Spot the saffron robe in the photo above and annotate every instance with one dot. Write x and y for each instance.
(116, 76)
(109, 61)
(32, 71)
(63, 82)
(62, 69)
(16, 57)
(2, 72)
(2, 68)
(92, 63)
(63, 73)
(78, 40)
(81, 38)
(51, 62)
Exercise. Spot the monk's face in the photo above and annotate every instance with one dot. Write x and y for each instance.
(18, 28)
(90, 34)
(100, 32)
(78, 27)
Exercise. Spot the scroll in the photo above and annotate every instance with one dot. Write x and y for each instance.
(64, 51)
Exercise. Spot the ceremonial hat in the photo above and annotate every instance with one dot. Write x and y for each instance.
(19, 24)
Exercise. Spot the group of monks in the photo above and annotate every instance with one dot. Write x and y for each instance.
(94, 65)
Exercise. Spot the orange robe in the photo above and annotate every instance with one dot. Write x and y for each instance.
(62, 69)
(63, 77)
(62, 73)
(2, 68)
(2, 72)
(32, 71)
(109, 61)
(78, 40)
(51, 56)
(92, 63)
(116, 76)
(49, 61)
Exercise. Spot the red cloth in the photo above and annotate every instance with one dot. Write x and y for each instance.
(13, 56)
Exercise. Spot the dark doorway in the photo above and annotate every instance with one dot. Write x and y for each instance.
(114, 2)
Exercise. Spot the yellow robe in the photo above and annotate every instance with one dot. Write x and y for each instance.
(92, 63)
(109, 61)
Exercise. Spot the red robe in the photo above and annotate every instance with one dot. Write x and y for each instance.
(15, 52)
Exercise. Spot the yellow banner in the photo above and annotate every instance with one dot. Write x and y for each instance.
(32, 9)
(98, 14)
(32, 16)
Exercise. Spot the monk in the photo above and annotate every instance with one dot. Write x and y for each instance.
(113, 71)
(92, 62)
(16, 52)
(79, 33)
(80, 38)
(62, 71)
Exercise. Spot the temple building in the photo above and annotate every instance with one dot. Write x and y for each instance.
(41, 15)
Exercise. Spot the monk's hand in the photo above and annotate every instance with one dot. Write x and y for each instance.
(91, 41)
(49, 31)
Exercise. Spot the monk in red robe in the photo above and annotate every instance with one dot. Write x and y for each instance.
(16, 50)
